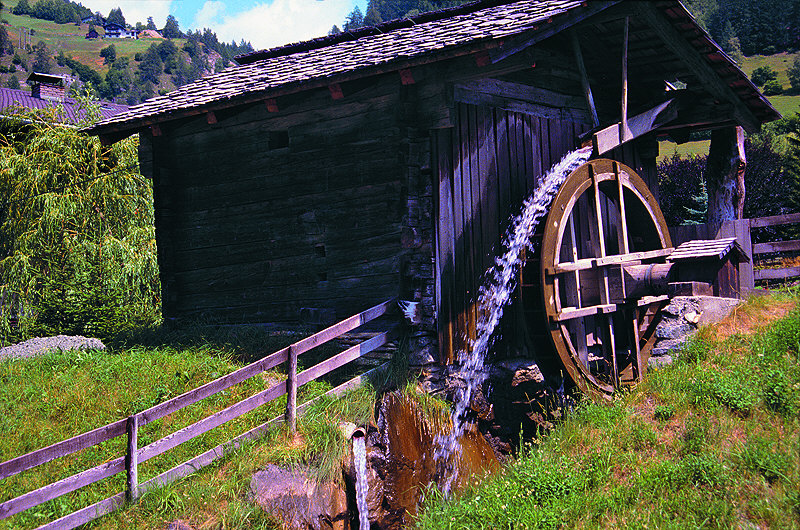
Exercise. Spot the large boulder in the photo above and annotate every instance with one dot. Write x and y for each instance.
(296, 498)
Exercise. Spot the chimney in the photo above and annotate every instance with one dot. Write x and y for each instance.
(46, 86)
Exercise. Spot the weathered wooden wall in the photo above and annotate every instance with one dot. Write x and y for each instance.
(486, 166)
(252, 230)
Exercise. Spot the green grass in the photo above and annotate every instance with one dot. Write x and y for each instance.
(50, 398)
(712, 441)
(780, 62)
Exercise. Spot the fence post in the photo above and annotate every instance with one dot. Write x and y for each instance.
(132, 458)
(291, 391)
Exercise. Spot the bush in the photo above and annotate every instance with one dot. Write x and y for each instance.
(772, 88)
(77, 246)
(763, 74)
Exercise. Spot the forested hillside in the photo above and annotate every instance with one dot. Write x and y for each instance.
(49, 36)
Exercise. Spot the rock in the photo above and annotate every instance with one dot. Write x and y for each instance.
(655, 363)
(665, 347)
(179, 525)
(521, 371)
(42, 345)
(297, 499)
(693, 317)
(713, 308)
(673, 329)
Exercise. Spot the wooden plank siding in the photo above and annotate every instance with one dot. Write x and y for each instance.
(251, 229)
(498, 157)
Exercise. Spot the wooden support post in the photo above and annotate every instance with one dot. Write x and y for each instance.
(406, 77)
(272, 105)
(155, 129)
(132, 458)
(724, 176)
(211, 118)
(624, 132)
(587, 89)
(291, 391)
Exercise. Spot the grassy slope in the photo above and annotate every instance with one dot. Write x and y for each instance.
(785, 104)
(69, 38)
(710, 442)
(47, 399)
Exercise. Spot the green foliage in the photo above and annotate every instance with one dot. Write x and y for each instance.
(793, 73)
(59, 11)
(43, 61)
(171, 29)
(22, 8)
(758, 455)
(609, 466)
(78, 248)
(109, 54)
(763, 74)
(115, 16)
(664, 412)
(151, 66)
(13, 82)
(772, 88)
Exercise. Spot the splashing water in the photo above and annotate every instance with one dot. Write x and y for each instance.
(360, 459)
(494, 295)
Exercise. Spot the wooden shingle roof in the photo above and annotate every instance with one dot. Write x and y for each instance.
(707, 249)
(486, 25)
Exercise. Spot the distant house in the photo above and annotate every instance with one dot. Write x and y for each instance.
(92, 34)
(50, 91)
(115, 31)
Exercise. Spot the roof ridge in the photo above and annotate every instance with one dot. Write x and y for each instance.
(366, 31)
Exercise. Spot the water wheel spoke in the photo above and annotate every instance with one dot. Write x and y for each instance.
(603, 219)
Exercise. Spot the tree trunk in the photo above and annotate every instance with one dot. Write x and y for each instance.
(725, 176)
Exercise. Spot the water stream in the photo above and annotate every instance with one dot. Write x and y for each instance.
(360, 459)
(494, 294)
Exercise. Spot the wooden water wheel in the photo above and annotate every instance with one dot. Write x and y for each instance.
(594, 283)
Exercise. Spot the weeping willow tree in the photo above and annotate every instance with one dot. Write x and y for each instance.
(77, 244)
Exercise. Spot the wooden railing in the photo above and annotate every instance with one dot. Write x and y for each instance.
(742, 229)
(773, 247)
(130, 426)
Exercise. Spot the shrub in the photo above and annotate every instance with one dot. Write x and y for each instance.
(763, 74)
(77, 246)
(772, 88)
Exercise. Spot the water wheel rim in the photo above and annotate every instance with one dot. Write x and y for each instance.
(587, 179)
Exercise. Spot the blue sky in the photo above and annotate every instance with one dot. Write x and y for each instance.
(265, 23)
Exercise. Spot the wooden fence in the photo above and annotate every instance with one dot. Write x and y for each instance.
(742, 229)
(129, 426)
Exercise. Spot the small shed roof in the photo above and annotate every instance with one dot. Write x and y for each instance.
(486, 25)
(707, 249)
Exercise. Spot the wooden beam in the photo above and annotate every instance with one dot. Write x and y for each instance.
(563, 21)
(336, 91)
(587, 89)
(773, 220)
(639, 125)
(272, 105)
(406, 77)
(624, 131)
(696, 62)
(482, 59)
(211, 118)
(155, 129)
(777, 274)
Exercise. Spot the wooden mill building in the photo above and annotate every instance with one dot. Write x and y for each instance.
(314, 180)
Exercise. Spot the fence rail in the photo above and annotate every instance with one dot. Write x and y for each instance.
(742, 229)
(130, 426)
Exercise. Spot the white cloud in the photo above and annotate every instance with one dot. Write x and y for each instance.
(209, 14)
(135, 10)
(281, 22)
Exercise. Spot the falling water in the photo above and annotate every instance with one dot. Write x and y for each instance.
(360, 459)
(495, 294)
